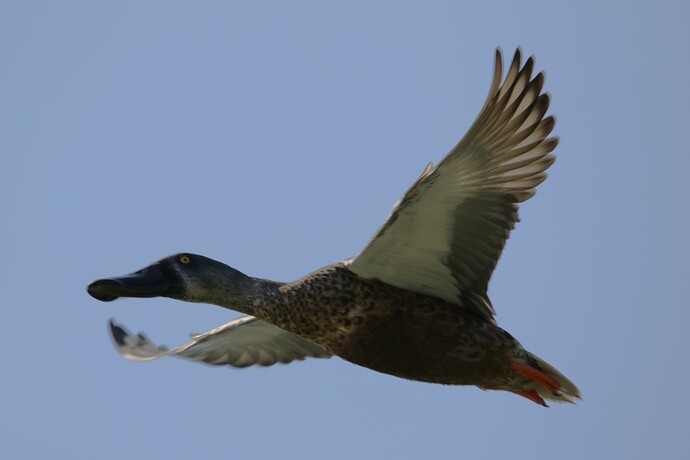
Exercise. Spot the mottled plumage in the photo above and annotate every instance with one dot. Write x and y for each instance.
(413, 303)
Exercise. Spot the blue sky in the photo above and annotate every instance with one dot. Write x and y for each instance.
(276, 136)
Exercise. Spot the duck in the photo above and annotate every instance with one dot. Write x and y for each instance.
(413, 303)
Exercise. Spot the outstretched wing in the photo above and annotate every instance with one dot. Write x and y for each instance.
(445, 235)
(243, 342)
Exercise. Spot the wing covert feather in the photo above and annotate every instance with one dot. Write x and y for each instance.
(446, 234)
(243, 342)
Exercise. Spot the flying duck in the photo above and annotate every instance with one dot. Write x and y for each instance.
(414, 302)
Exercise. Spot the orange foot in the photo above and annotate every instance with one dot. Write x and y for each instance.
(538, 376)
(532, 395)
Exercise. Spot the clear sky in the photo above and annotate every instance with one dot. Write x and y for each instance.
(276, 136)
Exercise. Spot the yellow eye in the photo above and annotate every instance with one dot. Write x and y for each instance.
(184, 259)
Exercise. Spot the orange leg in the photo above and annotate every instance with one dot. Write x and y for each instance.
(532, 395)
(538, 376)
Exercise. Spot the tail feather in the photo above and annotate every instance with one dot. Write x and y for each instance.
(567, 391)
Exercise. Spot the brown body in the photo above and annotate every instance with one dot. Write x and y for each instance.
(393, 330)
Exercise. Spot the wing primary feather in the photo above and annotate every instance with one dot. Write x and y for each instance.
(446, 233)
(243, 342)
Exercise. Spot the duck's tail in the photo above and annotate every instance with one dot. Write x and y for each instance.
(550, 384)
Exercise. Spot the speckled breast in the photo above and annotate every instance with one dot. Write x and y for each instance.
(395, 331)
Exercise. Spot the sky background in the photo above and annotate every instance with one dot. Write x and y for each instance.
(276, 136)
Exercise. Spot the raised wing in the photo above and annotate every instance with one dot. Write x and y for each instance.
(445, 235)
(243, 342)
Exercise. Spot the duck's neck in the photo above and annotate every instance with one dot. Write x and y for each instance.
(246, 294)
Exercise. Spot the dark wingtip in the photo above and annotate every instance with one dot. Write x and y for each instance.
(117, 332)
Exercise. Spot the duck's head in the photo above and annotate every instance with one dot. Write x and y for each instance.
(184, 276)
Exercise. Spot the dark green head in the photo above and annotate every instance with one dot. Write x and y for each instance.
(184, 276)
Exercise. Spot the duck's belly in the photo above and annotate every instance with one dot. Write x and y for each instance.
(443, 346)
(396, 331)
